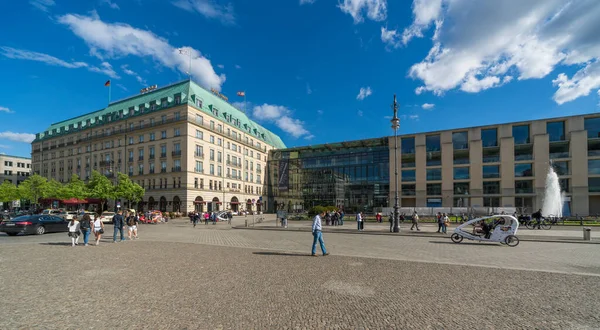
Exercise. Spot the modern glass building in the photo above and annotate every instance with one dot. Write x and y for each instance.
(352, 175)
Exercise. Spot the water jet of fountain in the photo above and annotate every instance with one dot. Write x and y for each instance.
(553, 198)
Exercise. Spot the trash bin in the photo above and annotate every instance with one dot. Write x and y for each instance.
(587, 233)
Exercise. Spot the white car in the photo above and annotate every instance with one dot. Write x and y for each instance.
(91, 214)
(106, 217)
(67, 215)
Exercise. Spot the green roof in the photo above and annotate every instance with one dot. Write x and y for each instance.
(189, 92)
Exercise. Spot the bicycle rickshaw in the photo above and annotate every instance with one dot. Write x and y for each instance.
(496, 228)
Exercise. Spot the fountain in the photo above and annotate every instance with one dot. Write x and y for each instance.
(553, 198)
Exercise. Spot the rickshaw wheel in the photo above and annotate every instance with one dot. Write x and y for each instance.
(511, 240)
(456, 238)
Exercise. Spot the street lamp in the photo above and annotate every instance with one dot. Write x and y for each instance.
(395, 125)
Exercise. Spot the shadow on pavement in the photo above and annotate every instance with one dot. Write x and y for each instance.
(289, 254)
(57, 243)
(467, 243)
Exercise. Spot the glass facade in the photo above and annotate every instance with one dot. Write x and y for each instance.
(556, 130)
(460, 140)
(409, 175)
(353, 176)
(521, 134)
(592, 126)
(523, 170)
(491, 171)
(461, 173)
(489, 137)
(434, 174)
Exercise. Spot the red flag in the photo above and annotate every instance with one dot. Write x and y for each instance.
(242, 94)
(107, 83)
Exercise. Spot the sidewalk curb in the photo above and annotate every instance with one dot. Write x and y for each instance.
(416, 234)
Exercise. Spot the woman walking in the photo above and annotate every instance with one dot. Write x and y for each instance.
(85, 225)
(98, 229)
(74, 231)
(132, 223)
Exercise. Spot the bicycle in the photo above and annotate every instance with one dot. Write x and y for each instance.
(542, 224)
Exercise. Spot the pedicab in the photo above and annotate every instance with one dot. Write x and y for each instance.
(496, 228)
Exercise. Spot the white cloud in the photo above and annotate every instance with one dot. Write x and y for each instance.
(360, 113)
(414, 117)
(304, 2)
(114, 40)
(221, 66)
(5, 109)
(106, 68)
(308, 89)
(428, 106)
(130, 72)
(21, 54)
(17, 137)
(42, 4)
(363, 93)
(209, 9)
(281, 116)
(110, 4)
(376, 10)
(484, 44)
(390, 37)
(237, 66)
(121, 86)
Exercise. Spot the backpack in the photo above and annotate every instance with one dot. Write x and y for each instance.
(131, 221)
(84, 225)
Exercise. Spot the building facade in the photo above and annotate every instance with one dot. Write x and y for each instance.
(14, 169)
(503, 165)
(188, 147)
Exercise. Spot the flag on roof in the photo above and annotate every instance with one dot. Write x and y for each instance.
(107, 83)
(184, 51)
(242, 93)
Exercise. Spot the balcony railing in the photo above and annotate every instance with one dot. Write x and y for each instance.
(141, 158)
(163, 170)
(199, 155)
(199, 170)
(176, 153)
(176, 169)
(163, 155)
(131, 159)
(151, 171)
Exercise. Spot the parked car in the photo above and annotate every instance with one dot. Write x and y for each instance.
(67, 215)
(91, 214)
(34, 224)
(106, 217)
(55, 212)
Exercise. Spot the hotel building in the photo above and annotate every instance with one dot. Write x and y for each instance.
(188, 147)
(503, 165)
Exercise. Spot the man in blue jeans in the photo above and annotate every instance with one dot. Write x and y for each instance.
(118, 226)
(318, 235)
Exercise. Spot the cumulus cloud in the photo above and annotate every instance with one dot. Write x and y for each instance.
(363, 93)
(5, 109)
(221, 66)
(110, 4)
(17, 137)
(376, 10)
(390, 37)
(428, 106)
(282, 118)
(479, 45)
(209, 9)
(42, 4)
(22, 54)
(114, 40)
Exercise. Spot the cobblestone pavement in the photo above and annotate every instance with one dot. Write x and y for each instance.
(213, 277)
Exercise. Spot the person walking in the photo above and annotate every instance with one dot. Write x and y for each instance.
(206, 215)
(335, 218)
(415, 221)
(74, 231)
(440, 221)
(98, 229)
(195, 218)
(317, 228)
(359, 221)
(118, 223)
(132, 222)
(85, 225)
(214, 218)
(445, 223)
(229, 217)
(341, 217)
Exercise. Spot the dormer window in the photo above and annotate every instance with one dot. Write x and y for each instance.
(215, 111)
(153, 105)
(142, 108)
(199, 103)
(164, 102)
(178, 98)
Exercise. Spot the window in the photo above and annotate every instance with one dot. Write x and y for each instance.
(131, 140)
(177, 147)
(461, 157)
(491, 171)
(163, 102)
(199, 167)
(151, 152)
(408, 145)
(564, 185)
(594, 166)
(199, 134)
(594, 184)
(199, 103)
(489, 137)
(176, 132)
(163, 134)
(461, 188)
(460, 140)
(556, 131)
(559, 150)
(152, 136)
(434, 189)
(212, 125)
(491, 201)
(219, 173)
(176, 115)
(491, 155)
(212, 169)
(163, 166)
(523, 170)
(409, 189)
(592, 126)
(199, 120)
(461, 173)
(141, 139)
(212, 139)
(219, 157)
(524, 187)
(199, 151)
(163, 151)
(220, 142)
(491, 187)
(561, 168)
(523, 152)
(434, 174)
(141, 169)
(432, 143)
(521, 134)
(434, 158)
(407, 160)
(212, 154)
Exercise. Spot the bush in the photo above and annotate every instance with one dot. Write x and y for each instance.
(319, 209)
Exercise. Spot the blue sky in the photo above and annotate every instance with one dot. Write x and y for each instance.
(314, 71)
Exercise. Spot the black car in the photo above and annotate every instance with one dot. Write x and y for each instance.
(34, 224)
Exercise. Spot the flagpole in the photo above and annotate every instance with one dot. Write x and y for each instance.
(109, 89)
(190, 66)
(245, 104)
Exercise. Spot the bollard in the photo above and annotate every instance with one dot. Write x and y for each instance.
(246, 223)
(587, 233)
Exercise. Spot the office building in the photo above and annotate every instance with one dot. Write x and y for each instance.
(14, 169)
(188, 147)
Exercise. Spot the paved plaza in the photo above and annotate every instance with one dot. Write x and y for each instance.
(216, 277)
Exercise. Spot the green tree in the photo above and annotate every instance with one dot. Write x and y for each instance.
(100, 187)
(56, 190)
(34, 188)
(76, 188)
(128, 189)
(8, 192)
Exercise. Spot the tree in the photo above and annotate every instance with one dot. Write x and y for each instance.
(76, 188)
(8, 192)
(128, 189)
(34, 188)
(100, 187)
(56, 190)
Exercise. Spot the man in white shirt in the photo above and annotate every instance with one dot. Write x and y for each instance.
(318, 235)
(359, 221)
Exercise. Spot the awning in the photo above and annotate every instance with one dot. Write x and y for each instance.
(199, 202)
(74, 201)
